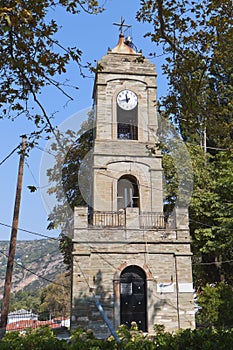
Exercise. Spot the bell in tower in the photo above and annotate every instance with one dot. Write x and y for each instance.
(136, 264)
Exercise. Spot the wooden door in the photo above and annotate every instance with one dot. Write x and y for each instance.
(133, 297)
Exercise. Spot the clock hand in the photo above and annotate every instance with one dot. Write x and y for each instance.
(127, 98)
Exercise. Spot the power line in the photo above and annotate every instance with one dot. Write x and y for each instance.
(110, 264)
(113, 266)
(34, 179)
(57, 239)
(210, 226)
(31, 232)
(213, 262)
(10, 154)
(34, 273)
(45, 150)
(37, 186)
(38, 234)
(51, 253)
(216, 148)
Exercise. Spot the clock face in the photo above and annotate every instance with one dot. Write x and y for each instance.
(127, 99)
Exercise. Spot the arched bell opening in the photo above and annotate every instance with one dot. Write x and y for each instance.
(127, 192)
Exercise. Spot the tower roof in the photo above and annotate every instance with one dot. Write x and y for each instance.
(122, 47)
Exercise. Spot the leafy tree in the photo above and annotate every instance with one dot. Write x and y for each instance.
(196, 38)
(29, 300)
(32, 58)
(177, 166)
(65, 246)
(211, 220)
(55, 299)
(73, 154)
(216, 306)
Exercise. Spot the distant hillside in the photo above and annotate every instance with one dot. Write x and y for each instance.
(36, 263)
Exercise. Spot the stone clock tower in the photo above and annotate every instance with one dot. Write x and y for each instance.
(125, 255)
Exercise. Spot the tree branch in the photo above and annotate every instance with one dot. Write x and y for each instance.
(163, 29)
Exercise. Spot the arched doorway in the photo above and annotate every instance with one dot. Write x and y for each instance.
(127, 192)
(133, 297)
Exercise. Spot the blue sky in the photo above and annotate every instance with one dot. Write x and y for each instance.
(93, 35)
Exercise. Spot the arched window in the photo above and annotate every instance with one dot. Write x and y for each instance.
(127, 192)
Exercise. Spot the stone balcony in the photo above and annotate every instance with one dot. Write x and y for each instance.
(123, 218)
(128, 223)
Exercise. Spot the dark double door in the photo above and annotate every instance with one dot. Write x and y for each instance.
(133, 297)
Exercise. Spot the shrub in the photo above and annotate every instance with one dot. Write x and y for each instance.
(36, 339)
(131, 339)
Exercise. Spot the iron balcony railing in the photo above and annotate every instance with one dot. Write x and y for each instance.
(150, 220)
(107, 218)
(147, 220)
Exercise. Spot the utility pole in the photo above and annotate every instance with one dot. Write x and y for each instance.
(12, 248)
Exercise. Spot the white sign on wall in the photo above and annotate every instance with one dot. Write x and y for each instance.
(165, 287)
(185, 288)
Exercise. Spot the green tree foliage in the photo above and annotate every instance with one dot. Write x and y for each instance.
(196, 37)
(70, 150)
(37, 339)
(55, 299)
(32, 58)
(78, 161)
(65, 247)
(211, 219)
(216, 306)
(131, 339)
(73, 157)
(177, 166)
(25, 300)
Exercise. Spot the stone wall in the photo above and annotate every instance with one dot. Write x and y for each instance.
(107, 242)
(100, 254)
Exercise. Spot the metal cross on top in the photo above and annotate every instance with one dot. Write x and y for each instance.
(121, 25)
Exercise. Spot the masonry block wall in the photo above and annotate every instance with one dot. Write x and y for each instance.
(100, 255)
(127, 257)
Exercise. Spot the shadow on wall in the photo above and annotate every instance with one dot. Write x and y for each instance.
(155, 307)
(84, 310)
(87, 316)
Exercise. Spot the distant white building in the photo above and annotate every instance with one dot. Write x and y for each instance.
(21, 315)
(66, 322)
